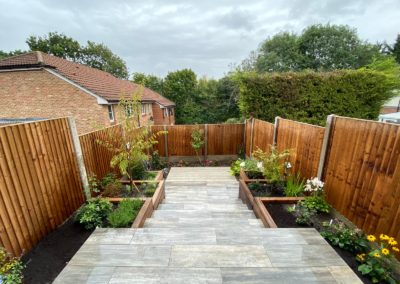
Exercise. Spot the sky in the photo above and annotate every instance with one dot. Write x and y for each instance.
(208, 36)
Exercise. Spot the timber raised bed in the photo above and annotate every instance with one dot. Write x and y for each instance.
(158, 176)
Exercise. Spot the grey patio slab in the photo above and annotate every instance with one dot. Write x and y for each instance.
(286, 236)
(344, 275)
(304, 256)
(74, 274)
(121, 236)
(122, 255)
(219, 256)
(239, 235)
(150, 275)
(303, 275)
(170, 236)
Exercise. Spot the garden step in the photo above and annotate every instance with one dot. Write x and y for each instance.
(166, 214)
(202, 206)
(204, 222)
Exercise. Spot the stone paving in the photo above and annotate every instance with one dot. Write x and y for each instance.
(202, 233)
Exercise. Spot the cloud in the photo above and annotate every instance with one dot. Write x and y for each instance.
(158, 36)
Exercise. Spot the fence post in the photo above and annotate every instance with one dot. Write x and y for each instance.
(79, 157)
(205, 141)
(276, 126)
(166, 142)
(325, 145)
(251, 137)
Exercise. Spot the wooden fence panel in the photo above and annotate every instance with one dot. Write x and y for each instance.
(40, 185)
(305, 142)
(179, 140)
(362, 174)
(160, 146)
(225, 139)
(263, 135)
(96, 156)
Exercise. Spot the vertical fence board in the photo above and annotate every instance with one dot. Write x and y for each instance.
(39, 183)
(304, 141)
(362, 174)
(225, 139)
(263, 135)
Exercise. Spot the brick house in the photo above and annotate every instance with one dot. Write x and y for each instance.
(36, 85)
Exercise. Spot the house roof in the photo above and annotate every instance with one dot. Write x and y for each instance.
(96, 81)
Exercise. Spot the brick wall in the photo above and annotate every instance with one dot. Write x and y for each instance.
(388, 109)
(158, 116)
(37, 93)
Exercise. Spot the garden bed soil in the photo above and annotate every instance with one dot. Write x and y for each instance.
(46, 260)
(263, 189)
(285, 219)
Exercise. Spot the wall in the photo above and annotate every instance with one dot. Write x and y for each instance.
(42, 95)
(158, 116)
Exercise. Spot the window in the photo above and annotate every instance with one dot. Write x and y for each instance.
(110, 113)
(128, 110)
(171, 112)
(143, 109)
(165, 112)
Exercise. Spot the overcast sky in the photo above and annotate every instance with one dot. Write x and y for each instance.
(206, 35)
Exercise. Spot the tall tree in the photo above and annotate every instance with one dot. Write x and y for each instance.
(5, 54)
(394, 49)
(329, 47)
(93, 54)
(99, 56)
(180, 86)
(56, 44)
(149, 81)
(319, 47)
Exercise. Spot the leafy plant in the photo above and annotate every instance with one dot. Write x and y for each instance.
(155, 161)
(10, 268)
(377, 263)
(197, 140)
(94, 184)
(130, 148)
(248, 165)
(107, 179)
(304, 214)
(112, 189)
(338, 234)
(294, 186)
(125, 213)
(272, 163)
(150, 189)
(316, 203)
(94, 213)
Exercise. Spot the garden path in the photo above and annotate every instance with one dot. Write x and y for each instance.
(202, 233)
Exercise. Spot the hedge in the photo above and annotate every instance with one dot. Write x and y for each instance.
(311, 96)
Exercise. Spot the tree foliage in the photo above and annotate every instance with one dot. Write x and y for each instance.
(96, 55)
(311, 96)
(5, 54)
(149, 81)
(319, 47)
(394, 49)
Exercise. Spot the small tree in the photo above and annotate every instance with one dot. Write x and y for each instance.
(131, 146)
(197, 141)
(272, 163)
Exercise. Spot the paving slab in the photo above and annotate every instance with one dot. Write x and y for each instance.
(203, 233)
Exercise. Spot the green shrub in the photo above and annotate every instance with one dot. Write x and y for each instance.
(150, 189)
(272, 163)
(108, 179)
(137, 170)
(338, 234)
(156, 162)
(316, 203)
(94, 213)
(248, 165)
(311, 96)
(303, 214)
(294, 186)
(10, 268)
(126, 212)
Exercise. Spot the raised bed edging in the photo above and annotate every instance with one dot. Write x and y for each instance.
(145, 212)
(245, 178)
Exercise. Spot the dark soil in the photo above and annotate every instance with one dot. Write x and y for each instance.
(284, 219)
(146, 189)
(46, 260)
(259, 189)
(254, 175)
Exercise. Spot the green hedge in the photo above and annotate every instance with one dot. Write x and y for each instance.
(311, 96)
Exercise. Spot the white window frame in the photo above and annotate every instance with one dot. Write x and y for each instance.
(111, 115)
(144, 109)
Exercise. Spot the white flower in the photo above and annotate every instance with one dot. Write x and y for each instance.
(128, 145)
(260, 165)
(242, 164)
(288, 165)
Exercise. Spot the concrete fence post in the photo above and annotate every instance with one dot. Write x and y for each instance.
(251, 137)
(325, 145)
(276, 126)
(166, 142)
(79, 157)
(205, 141)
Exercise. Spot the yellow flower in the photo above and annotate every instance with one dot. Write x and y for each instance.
(392, 242)
(361, 256)
(371, 238)
(395, 249)
(377, 255)
(385, 251)
(383, 237)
